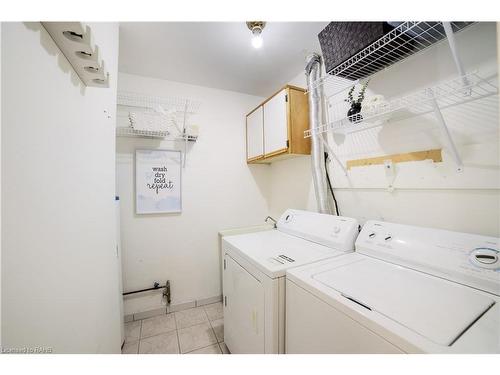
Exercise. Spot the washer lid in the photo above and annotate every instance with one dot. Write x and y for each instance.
(434, 308)
(273, 252)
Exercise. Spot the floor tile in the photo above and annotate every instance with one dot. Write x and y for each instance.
(165, 343)
(158, 324)
(190, 317)
(212, 349)
(218, 326)
(196, 337)
(130, 348)
(214, 311)
(132, 331)
(224, 348)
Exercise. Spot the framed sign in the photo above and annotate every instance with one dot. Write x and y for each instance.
(158, 181)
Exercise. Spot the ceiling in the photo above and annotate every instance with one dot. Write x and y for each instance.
(218, 54)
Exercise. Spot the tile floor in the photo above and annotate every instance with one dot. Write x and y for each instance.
(194, 331)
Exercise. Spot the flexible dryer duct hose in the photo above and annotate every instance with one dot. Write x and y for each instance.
(313, 74)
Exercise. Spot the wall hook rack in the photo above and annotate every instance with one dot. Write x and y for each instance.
(75, 40)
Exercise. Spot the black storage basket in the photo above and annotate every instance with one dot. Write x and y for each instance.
(342, 40)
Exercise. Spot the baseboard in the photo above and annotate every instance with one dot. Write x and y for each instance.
(172, 308)
(181, 306)
(129, 318)
(208, 301)
(150, 313)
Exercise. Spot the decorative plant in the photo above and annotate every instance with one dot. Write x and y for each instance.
(361, 94)
(350, 99)
(354, 112)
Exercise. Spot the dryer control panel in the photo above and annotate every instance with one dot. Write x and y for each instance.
(336, 232)
(461, 257)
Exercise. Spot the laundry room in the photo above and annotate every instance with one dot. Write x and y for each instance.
(207, 186)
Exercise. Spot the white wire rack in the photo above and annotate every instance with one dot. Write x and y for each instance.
(406, 39)
(123, 131)
(180, 105)
(333, 85)
(157, 117)
(162, 117)
(456, 91)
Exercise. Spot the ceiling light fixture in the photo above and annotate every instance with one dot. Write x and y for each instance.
(256, 28)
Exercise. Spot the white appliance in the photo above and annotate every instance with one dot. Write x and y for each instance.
(254, 274)
(405, 290)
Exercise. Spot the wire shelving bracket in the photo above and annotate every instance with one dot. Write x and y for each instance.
(446, 133)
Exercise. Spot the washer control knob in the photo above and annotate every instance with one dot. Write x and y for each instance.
(388, 237)
(485, 257)
(372, 235)
(336, 229)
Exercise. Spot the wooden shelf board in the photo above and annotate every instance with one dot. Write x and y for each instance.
(434, 155)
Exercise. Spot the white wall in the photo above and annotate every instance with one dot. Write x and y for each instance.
(59, 274)
(0, 185)
(219, 191)
(426, 194)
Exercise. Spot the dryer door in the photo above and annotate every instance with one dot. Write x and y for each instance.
(243, 310)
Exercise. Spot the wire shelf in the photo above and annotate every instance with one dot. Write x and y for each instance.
(332, 85)
(155, 117)
(406, 39)
(172, 104)
(457, 91)
(123, 131)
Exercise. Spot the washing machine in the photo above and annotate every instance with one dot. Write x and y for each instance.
(254, 267)
(406, 289)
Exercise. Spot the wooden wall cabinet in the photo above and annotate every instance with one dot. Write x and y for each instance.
(275, 129)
